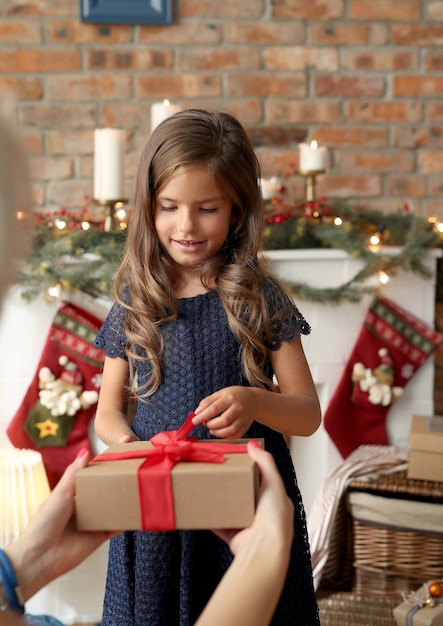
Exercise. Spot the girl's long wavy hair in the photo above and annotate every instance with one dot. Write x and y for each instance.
(188, 138)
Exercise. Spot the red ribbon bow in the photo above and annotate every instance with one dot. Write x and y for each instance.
(154, 474)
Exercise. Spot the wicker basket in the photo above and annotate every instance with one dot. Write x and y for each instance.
(349, 609)
(389, 560)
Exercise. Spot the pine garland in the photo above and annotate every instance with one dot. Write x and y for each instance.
(86, 260)
(315, 226)
(72, 259)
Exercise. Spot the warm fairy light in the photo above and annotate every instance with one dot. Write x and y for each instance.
(338, 221)
(383, 277)
(86, 225)
(375, 240)
(54, 291)
(121, 214)
(440, 227)
(60, 224)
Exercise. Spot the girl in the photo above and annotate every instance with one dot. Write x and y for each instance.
(199, 324)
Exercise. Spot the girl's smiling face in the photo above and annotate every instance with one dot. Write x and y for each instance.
(192, 216)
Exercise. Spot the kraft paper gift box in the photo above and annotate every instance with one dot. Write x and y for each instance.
(206, 495)
(406, 614)
(426, 448)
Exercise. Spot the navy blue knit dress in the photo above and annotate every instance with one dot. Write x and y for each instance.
(166, 579)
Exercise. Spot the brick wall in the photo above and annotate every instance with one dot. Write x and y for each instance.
(364, 77)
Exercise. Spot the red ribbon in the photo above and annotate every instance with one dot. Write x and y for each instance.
(154, 474)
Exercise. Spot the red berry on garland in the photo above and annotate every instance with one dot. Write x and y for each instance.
(436, 590)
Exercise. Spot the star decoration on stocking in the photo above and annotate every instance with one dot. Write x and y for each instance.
(48, 428)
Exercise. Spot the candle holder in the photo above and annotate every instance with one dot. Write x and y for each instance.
(110, 206)
(310, 180)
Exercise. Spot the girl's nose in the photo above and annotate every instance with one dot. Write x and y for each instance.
(186, 221)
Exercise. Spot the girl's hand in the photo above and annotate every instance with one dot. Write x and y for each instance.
(228, 413)
(127, 438)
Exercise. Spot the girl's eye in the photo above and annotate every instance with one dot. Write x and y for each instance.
(208, 209)
(168, 208)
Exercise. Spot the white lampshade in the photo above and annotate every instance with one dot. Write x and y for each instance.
(23, 487)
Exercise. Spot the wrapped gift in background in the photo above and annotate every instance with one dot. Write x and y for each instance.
(426, 448)
(168, 483)
(423, 607)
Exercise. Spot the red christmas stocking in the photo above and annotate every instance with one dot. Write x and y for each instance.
(390, 348)
(60, 401)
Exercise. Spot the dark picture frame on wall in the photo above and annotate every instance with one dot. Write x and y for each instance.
(126, 11)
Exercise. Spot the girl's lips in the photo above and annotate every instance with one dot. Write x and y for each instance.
(189, 245)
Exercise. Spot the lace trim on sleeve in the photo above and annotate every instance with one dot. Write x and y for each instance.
(111, 337)
(286, 320)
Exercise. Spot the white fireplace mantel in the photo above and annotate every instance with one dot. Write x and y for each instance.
(335, 329)
(77, 596)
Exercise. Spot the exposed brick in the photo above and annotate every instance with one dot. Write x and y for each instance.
(183, 34)
(434, 111)
(33, 142)
(228, 9)
(69, 193)
(121, 59)
(223, 58)
(417, 136)
(47, 168)
(276, 136)
(375, 160)
(73, 31)
(313, 10)
(349, 86)
(126, 114)
(304, 112)
(349, 185)
(430, 161)
(401, 10)
(24, 88)
(384, 60)
(70, 142)
(300, 57)
(434, 10)
(62, 116)
(417, 35)
(413, 86)
(433, 61)
(434, 208)
(406, 186)
(436, 185)
(276, 162)
(267, 84)
(261, 33)
(41, 7)
(89, 87)
(385, 111)
(38, 61)
(20, 33)
(362, 135)
(247, 111)
(348, 34)
(180, 86)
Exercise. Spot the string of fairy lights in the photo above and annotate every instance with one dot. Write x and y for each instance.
(77, 252)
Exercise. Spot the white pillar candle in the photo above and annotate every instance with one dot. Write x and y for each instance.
(160, 111)
(312, 157)
(109, 148)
